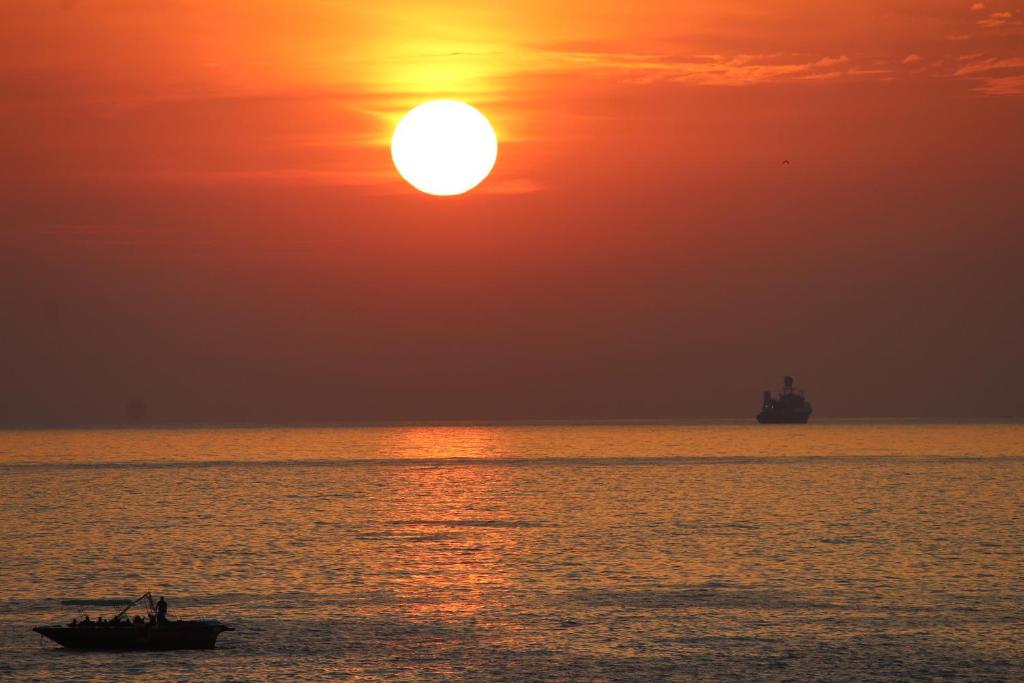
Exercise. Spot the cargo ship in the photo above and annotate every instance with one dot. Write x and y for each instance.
(789, 407)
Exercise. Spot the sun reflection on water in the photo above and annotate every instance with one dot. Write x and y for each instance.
(443, 533)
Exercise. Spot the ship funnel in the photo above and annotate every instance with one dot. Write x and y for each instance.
(788, 382)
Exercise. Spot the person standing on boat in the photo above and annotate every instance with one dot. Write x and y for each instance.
(161, 610)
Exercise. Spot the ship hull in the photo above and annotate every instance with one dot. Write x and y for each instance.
(179, 635)
(777, 418)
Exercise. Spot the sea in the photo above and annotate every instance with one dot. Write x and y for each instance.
(667, 551)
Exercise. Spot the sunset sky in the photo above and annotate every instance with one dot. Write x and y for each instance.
(198, 208)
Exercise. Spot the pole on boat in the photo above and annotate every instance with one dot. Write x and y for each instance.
(147, 596)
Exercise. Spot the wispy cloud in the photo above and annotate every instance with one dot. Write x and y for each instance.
(995, 19)
(995, 76)
(707, 69)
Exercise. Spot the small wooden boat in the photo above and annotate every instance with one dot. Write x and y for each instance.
(152, 633)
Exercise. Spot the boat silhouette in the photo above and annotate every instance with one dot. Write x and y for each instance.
(155, 632)
(789, 407)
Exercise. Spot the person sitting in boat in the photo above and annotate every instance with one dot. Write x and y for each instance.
(74, 622)
(137, 620)
(161, 610)
(87, 621)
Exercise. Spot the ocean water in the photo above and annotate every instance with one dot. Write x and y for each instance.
(852, 551)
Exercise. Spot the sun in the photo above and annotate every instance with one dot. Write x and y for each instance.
(444, 147)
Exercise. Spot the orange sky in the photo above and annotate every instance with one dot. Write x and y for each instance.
(197, 206)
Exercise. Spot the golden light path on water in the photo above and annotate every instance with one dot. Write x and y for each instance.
(844, 550)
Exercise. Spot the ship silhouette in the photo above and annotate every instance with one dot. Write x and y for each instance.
(789, 407)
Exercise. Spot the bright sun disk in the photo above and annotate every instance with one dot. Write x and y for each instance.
(444, 147)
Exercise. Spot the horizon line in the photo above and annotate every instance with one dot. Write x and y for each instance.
(523, 422)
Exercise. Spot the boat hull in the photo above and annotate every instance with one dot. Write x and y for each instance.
(777, 418)
(177, 635)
